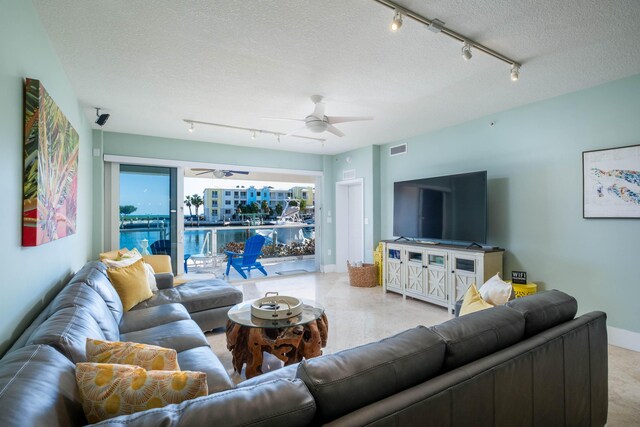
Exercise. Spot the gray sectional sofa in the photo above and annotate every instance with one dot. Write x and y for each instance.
(530, 362)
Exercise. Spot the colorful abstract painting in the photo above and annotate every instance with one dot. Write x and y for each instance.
(611, 181)
(50, 169)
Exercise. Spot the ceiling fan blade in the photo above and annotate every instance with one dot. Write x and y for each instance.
(334, 130)
(205, 172)
(282, 118)
(318, 111)
(240, 172)
(345, 119)
(296, 130)
(228, 173)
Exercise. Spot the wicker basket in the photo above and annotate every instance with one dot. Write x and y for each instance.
(363, 277)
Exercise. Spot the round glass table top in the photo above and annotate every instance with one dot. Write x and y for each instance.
(241, 314)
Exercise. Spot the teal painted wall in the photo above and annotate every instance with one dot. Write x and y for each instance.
(187, 150)
(533, 156)
(30, 276)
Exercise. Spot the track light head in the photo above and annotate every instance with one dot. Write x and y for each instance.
(466, 51)
(396, 23)
(101, 119)
(191, 128)
(515, 72)
(253, 134)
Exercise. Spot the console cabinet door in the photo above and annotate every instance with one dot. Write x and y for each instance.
(464, 272)
(436, 275)
(414, 268)
(393, 270)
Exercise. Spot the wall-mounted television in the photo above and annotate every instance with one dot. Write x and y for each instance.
(450, 208)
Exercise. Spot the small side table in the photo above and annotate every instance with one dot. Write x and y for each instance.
(522, 290)
(290, 340)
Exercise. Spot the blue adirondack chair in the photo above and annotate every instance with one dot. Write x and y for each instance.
(248, 260)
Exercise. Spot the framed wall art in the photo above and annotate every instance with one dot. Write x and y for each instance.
(50, 184)
(611, 183)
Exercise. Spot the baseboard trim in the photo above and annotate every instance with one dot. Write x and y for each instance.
(624, 338)
(328, 268)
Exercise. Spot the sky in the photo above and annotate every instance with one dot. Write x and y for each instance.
(150, 193)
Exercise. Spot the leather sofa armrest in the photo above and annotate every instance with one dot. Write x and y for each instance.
(164, 280)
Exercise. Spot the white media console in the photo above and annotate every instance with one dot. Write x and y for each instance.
(439, 274)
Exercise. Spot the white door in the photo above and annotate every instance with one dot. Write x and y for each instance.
(349, 223)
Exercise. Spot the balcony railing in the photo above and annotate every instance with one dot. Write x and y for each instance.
(295, 239)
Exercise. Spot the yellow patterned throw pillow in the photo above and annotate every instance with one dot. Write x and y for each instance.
(149, 357)
(110, 390)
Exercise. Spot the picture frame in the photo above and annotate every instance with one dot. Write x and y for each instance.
(611, 183)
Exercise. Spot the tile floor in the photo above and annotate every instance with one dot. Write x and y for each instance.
(361, 315)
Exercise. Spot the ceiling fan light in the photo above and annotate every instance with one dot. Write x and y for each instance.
(515, 73)
(396, 23)
(218, 173)
(466, 51)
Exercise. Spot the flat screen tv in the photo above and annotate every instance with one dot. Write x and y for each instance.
(450, 208)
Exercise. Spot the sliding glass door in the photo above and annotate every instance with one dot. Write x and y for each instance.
(147, 209)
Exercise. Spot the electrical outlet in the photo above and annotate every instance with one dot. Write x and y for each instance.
(328, 251)
(366, 221)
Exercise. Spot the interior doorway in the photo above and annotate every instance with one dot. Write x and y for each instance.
(349, 223)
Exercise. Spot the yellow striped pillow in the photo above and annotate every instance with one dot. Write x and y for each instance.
(149, 357)
(110, 390)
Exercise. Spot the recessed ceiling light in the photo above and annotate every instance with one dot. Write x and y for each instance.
(396, 23)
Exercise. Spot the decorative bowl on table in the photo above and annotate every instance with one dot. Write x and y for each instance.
(274, 306)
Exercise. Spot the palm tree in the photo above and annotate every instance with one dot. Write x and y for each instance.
(187, 201)
(197, 201)
(264, 207)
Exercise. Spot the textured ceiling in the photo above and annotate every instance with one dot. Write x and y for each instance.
(151, 64)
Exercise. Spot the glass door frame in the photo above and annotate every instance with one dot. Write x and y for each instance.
(112, 209)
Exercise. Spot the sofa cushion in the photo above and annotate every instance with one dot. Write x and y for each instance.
(38, 388)
(544, 310)
(94, 275)
(276, 403)
(109, 390)
(80, 295)
(204, 360)
(478, 334)
(67, 330)
(136, 320)
(197, 296)
(353, 378)
(180, 335)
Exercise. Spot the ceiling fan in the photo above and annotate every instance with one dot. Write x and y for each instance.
(317, 122)
(219, 173)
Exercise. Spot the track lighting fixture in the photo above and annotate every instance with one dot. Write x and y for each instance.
(191, 128)
(396, 23)
(252, 131)
(515, 72)
(438, 27)
(466, 51)
(101, 119)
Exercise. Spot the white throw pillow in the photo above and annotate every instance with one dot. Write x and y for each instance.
(151, 278)
(496, 291)
(124, 262)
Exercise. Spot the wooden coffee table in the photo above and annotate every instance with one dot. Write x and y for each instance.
(290, 340)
